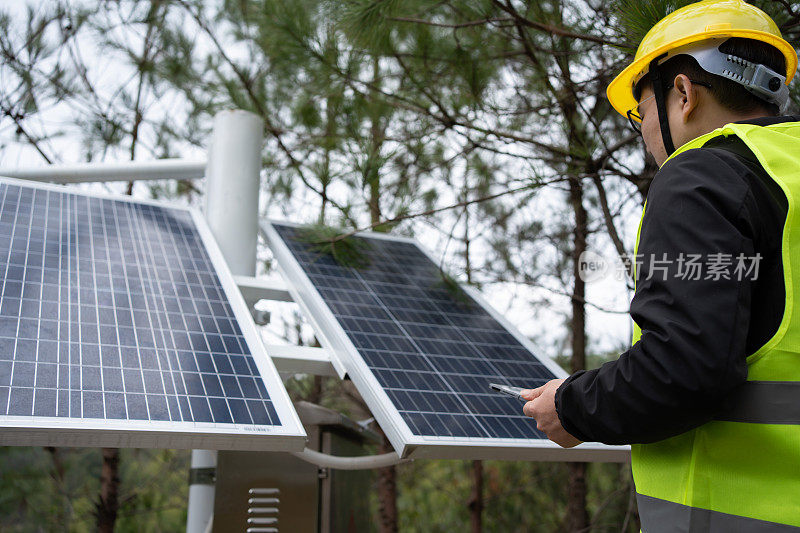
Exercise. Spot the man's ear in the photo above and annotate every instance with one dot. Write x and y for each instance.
(687, 96)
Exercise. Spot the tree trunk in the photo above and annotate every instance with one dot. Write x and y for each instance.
(106, 508)
(64, 512)
(476, 498)
(577, 516)
(475, 504)
(387, 477)
(387, 493)
(373, 166)
(108, 505)
(646, 176)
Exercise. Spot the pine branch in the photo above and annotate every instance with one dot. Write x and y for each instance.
(346, 250)
(24, 132)
(395, 220)
(262, 111)
(453, 288)
(610, 227)
(454, 26)
(401, 102)
(553, 30)
(793, 16)
(582, 300)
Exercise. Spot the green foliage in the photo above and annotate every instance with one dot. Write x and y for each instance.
(367, 22)
(519, 497)
(453, 288)
(307, 113)
(42, 492)
(154, 490)
(637, 17)
(350, 251)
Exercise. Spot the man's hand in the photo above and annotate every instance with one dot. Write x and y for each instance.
(542, 406)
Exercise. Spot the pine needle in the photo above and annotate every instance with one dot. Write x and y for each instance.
(454, 289)
(351, 251)
(635, 18)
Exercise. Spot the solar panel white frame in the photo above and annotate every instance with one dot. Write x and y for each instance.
(346, 359)
(64, 431)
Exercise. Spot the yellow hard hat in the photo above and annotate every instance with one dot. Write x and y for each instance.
(709, 19)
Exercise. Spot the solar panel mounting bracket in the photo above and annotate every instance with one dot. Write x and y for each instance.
(255, 289)
(293, 359)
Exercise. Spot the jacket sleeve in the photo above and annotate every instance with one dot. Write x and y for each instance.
(691, 354)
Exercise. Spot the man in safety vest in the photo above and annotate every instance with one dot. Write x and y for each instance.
(708, 395)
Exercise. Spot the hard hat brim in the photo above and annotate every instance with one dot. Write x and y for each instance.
(620, 90)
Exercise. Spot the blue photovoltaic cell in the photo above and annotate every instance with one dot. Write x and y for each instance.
(113, 310)
(434, 351)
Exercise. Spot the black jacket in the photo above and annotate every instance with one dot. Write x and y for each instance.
(696, 333)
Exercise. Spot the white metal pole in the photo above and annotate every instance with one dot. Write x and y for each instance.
(157, 169)
(201, 490)
(232, 183)
(232, 187)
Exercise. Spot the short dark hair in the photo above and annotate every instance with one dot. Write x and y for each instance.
(727, 92)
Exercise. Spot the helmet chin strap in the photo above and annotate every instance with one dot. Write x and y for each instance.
(661, 104)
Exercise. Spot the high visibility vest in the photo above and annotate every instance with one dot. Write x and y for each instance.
(741, 471)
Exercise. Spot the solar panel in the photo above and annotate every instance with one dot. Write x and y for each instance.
(120, 325)
(422, 351)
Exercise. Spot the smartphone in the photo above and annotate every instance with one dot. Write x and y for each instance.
(509, 390)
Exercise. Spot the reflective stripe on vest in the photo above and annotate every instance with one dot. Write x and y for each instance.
(765, 402)
(662, 516)
(741, 471)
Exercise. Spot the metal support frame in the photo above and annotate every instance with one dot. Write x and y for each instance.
(159, 169)
(290, 359)
(254, 289)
